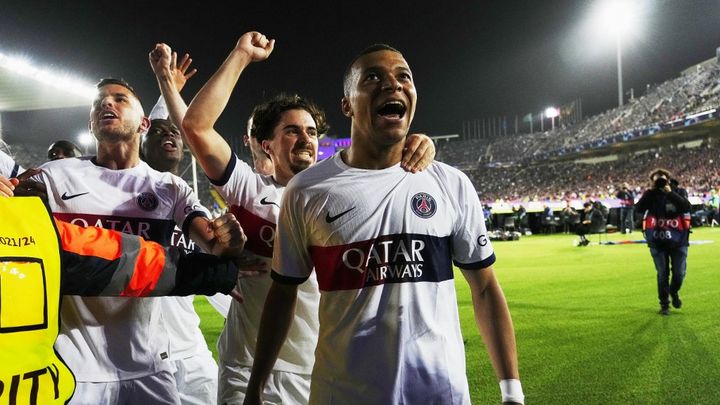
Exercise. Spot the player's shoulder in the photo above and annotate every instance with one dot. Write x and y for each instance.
(317, 174)
(68, 167)
(446, 173)
(68, 162)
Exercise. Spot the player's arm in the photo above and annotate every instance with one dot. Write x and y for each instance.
(274, 326)
(31, 184)
(208, 146)
(103, 262)
(492, 318)
(418, 153)
(222, 236)
(171, 78)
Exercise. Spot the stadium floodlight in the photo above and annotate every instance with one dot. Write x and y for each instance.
(85, 139)
(552, 112)
(62, 81)
(621, 20)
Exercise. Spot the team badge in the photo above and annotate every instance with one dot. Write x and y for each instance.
(147, 201)
(423, 205)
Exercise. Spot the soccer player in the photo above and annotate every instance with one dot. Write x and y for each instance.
(117, 346)
(42, 258)
(287, 128)
(382, 243)
(194, 368)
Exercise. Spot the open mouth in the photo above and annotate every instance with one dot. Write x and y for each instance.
(303, 153)
(108, 115)
(392, 110)
(169, 146)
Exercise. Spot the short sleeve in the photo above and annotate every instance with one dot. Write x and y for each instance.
(187, 206)
(291, 263)
(471, 243)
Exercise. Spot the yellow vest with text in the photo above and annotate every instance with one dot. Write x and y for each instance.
(31, 372)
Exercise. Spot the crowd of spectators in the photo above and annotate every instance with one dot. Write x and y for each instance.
(694, 91)
(697, 169)
(516, 168)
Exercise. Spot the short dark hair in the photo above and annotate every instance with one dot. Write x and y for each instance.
(118, 81)
(370, 49)
(267, 115)
(587, 204)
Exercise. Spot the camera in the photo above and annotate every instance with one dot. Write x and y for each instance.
(660, 183)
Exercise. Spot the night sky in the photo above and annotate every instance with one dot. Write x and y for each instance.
(470, 59)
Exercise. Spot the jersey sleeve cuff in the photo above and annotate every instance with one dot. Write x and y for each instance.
(287, 279)
(228, 172)
(188, 221)
(487, 262)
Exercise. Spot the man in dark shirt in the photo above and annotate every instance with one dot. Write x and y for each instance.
(666, 224)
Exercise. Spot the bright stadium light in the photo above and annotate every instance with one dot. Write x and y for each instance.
(62, 81)
(85, 139)
(621, 20)
(552, 112)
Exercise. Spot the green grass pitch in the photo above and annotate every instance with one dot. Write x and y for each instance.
(587, 325)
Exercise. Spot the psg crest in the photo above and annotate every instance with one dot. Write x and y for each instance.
(423, 205)
(147, 201)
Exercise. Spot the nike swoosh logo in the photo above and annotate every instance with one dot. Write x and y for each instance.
(330, 219)
(70, 197)
(264, 201)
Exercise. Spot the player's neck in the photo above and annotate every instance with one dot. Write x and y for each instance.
(363, 154)
(118, 155)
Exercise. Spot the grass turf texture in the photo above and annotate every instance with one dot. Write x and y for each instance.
(587, 325)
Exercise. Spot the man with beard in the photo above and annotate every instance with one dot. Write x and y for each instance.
(116, 345)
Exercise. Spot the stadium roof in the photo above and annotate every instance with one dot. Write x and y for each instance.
(24, 87)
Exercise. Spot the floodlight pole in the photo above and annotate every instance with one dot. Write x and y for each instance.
(619, 68)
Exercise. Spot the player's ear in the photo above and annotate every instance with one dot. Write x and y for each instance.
(345, 107)
(144, 125)
(265, 146)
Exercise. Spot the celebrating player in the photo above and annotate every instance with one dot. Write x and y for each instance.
(382, 243)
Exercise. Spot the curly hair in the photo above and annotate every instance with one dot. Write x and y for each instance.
(266, 116)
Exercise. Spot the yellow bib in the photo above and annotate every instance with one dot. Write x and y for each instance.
(30, 370)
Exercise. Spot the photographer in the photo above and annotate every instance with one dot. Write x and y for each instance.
(627, 208)
(666, 224)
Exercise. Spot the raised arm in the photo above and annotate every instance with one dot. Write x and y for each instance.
(171, 78)
(211, 150)
(492, 318)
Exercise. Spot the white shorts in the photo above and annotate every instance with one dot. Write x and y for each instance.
(158, 388)
(196, 379)
(281, 388)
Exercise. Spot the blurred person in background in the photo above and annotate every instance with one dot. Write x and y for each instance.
(63, 149)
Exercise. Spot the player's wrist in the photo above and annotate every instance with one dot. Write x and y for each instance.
(511, 391)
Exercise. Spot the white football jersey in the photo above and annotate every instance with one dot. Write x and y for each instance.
(383, 243)
(111, 339)
(179, 317)
(255, 201)
(8, 167)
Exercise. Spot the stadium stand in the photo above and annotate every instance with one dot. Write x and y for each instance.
(674, 125)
